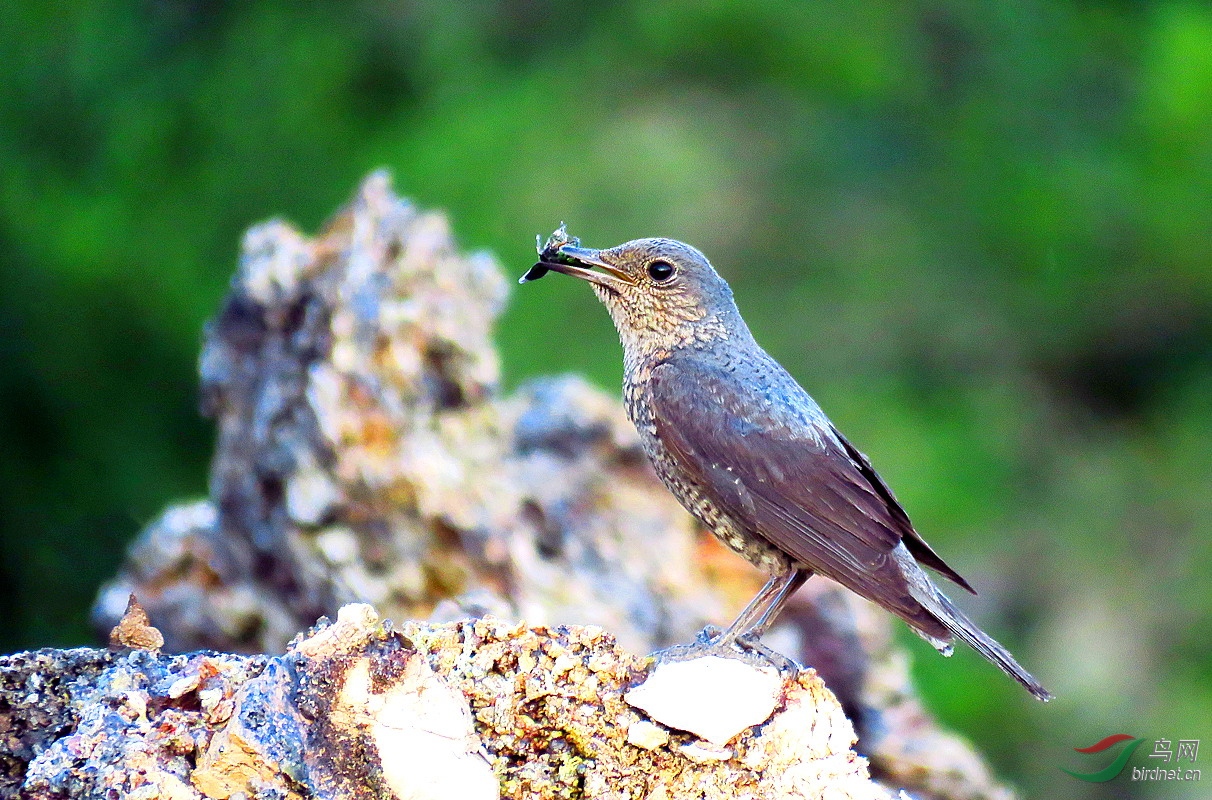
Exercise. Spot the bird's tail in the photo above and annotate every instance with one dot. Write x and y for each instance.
(966, 631)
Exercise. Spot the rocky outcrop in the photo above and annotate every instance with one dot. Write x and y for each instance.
(367, 454)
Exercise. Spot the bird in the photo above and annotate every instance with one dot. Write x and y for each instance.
(748, 452)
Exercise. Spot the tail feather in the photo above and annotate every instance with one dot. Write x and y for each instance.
(966, 631)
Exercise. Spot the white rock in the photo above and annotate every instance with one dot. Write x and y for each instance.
(310, 494)
(647, 735)
(703, 753)
(338, 544)
(712, 697)
(183, 686)
(355, 622)
(423, 732)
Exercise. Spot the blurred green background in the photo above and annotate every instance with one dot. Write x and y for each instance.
(979, 233)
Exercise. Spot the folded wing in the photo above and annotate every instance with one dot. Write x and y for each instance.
(773, 462)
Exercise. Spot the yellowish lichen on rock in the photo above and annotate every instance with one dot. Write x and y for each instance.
(359, 708)
(562, 728)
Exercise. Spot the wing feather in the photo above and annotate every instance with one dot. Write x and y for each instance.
(782, 471)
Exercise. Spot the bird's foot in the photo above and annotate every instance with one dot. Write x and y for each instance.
(711, 641)
(708, 635)
(753, 644)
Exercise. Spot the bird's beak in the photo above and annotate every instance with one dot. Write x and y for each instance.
(583, 258)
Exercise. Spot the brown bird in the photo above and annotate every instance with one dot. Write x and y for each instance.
(750, 454)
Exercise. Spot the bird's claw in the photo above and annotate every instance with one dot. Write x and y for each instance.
(751, 643)
(708, 635)
(746, 647)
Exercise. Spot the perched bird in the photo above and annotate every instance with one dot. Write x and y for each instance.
(750, 454)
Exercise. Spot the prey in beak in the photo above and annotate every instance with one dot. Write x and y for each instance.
(564, 254)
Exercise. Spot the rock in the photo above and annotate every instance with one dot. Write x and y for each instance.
(647, 735)
(713, 697)
(422, 730)
(135, 629)
(367, 454)
(358, 708)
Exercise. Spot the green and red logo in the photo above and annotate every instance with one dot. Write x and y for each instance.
(1115, 767)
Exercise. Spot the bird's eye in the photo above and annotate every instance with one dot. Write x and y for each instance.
(660, 271)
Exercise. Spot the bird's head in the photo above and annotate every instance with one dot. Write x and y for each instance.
(660, 293)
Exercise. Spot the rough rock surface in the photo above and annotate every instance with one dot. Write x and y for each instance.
(361, 709)
(366, 453)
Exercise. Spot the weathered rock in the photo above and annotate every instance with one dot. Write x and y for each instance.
(366, 453)
(39, 704)
(135, 629)
(359, 709)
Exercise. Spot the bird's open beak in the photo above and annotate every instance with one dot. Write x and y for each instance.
(583, 259)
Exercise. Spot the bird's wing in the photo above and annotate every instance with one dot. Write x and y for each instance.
(781, 470)
(916, 545)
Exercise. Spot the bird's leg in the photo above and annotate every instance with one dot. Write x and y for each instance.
(742, 635)
(763, 609)
(798, 578)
